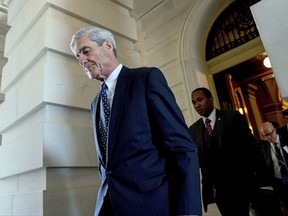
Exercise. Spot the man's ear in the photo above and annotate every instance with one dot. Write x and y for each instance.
(108, 44)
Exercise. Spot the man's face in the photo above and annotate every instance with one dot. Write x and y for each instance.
(269, 132)
(94, 58)
(202, 104)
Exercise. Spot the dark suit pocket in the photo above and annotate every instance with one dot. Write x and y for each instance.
(151, 183)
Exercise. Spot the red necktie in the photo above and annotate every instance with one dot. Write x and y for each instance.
(208, 126)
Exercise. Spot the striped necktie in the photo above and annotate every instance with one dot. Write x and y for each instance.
(208, 126)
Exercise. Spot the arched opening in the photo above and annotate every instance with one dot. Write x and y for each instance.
(233, 62)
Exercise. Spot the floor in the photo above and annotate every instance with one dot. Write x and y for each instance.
(212, 211)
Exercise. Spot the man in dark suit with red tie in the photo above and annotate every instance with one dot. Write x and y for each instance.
(228, 156)
(148, 162)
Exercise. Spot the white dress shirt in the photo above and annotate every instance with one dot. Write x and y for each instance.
(212, 117)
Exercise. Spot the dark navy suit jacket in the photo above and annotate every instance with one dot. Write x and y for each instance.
(152, 166)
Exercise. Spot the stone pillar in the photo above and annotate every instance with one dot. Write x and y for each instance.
(48, 163)
(271, 19)
(3, 31)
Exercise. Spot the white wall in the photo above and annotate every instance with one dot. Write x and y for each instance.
(271, 20)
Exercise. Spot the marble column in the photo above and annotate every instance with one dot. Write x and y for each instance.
(48, 163)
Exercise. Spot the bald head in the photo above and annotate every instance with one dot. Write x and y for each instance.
(266, 126)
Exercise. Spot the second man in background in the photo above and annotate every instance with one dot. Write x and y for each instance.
(228, 155)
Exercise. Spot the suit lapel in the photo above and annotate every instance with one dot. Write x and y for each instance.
(120, 96)
(218, 127)
(284, 144)
(199, 133)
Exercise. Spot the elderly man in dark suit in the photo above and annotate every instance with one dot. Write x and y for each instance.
(147, 161)
(275, 150)
(228, 156)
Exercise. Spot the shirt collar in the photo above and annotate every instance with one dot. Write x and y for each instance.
(110, 81)
(212, 117)
(277, 141)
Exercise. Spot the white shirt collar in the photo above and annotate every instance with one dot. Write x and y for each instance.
(111, 81)
(212, 117)
(277, 141)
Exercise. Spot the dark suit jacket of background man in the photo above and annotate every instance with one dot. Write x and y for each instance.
(237, 158)
(268, 175)
(144, 119)
(282, 130)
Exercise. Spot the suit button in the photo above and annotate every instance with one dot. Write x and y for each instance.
(108, 172)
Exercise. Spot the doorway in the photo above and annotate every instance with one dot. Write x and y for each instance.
(247, 86)
(251, 88)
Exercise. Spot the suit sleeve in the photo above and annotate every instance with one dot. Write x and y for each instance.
(174, 137)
